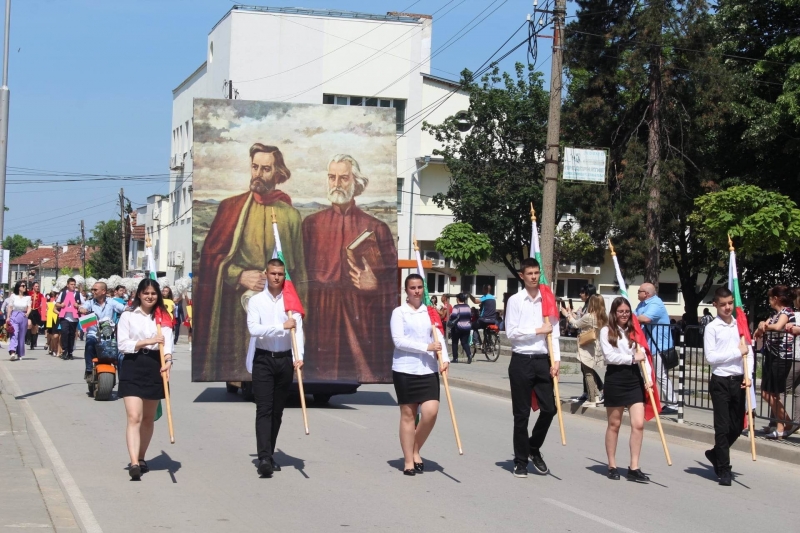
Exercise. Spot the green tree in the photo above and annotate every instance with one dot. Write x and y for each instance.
(17, 245)
(107, 259)
(497, 166)
(461, 244)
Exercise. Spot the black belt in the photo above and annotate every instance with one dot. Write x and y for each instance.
(728, 378)
(143, 351)
(287, 353)
(532, 355)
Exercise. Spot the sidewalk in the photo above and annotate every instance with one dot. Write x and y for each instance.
(492, 378)
(31, 498)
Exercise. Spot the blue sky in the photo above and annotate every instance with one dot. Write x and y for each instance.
(91, 92)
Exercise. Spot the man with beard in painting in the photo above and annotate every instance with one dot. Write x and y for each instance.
(351, 262)
(233, 260)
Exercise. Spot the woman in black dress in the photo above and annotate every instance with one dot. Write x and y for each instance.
(140, 382)
(624, 386)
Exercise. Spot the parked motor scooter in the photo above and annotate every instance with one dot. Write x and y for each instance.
(104, 364)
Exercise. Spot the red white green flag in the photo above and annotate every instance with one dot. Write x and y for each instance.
(436, 320)
(549, 307)
(733, 286)
(291, 301)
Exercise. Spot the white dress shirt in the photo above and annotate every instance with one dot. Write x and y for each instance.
(622, 353)
(411, 333)
(135, 326)
(721, 348)
(523, 318)
(265, 318)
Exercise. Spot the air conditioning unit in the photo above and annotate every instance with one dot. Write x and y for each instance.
(592, 270)
(567, 268)
(436, 259)
(451, 264)
(176, 162)
(177, 258)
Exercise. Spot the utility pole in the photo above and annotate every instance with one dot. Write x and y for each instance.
(553, 148)
(5, 95)
(122, 227)
(83, 249)
(57, 249)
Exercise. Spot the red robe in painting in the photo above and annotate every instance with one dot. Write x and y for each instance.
(347, 329)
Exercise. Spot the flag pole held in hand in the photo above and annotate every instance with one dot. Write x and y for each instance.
(300, 381)
(555, 385)
(649, 385)
(159, 318)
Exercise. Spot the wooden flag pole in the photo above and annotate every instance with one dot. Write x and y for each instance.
(300, 381)
(447, 393)
(747, 381)
(166, 388)
(555, 385)
(643, 368)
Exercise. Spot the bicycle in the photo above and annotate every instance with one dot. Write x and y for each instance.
(491, 342)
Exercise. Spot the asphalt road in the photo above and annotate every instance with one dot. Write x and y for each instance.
(346, 475)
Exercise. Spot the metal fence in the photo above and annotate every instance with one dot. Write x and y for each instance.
(686, 385)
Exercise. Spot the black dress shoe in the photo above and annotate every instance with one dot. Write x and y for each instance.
(637, 475)
(135, 472)
(409, 472)
(725, 478)
(265, 468)
(275, 466)
(419, 467)
(143, 466)
(712, 458)
(613, 473)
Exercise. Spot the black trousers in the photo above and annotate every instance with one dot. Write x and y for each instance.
(462, 337)
(530, 375)
(271, 380)
(728, 399)
(68, 330)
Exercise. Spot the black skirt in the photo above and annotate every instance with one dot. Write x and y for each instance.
(412, 388)
(776, 370)
(623, 386)
(35, 318)
(140, 376)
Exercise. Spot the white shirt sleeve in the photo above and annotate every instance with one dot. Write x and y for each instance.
(299, 336)
(125, 343)
(254, 325)
(401, 341)
(169, 339)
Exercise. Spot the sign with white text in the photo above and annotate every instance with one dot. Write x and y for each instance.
(584, 164)
(5, 260)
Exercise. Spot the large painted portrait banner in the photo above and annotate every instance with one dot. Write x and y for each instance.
(329, 174)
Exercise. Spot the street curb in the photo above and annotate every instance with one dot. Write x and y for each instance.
(689, 431)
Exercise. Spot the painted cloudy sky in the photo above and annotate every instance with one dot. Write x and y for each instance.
(307, 134)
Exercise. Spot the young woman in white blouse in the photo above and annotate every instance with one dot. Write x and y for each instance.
(415, 372)
(140, 383)
(624, 387)
(18, 307)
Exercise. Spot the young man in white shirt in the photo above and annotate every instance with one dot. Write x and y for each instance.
(530, 370)
(271, 363)
(725, 350)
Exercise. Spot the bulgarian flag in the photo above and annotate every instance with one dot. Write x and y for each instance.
(291, 301)
(741, 322)
(638, 337)
(549, 307)
(151, 273)
(88, 321)
(436, 320)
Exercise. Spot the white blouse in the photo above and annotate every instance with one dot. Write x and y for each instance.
(411, 333)
(622, 353)
(18, 303)
(135, 326)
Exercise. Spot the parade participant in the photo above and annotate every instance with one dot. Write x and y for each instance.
(415, 372)
(140, 383)
(121, 296)
(67, 303)
(53, 333)
(530, 370)
(724, 350)
(179, 317)
(18, 308)
(38, 313)
(169, 303)
(461, 327)
(103, 308)
(271, 365)
(624, 387)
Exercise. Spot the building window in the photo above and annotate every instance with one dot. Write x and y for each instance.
(573, 287)
(668, 292)
(398, 105)
(437, 283)
(480, 281)
(399, 194)
(466, 284)
(512, 286)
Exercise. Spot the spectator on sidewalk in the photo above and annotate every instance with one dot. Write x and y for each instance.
(778, 356)
(793, 379)
(445, 309)
(586, 292)
(706, 318)
(652, 314)
(460, 327)
(589, 355)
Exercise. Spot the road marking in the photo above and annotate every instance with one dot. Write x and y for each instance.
(590, 516)
(85, 514)
(320, 411)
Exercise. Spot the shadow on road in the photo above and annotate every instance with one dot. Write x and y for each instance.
(28, 395)
(707, 472)
(164, 462)
(430, 466)
(285, 460)
(216, 395)
(366, 397)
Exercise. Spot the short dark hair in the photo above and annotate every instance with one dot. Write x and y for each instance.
(706, 311)
(282, 173)
(720, 293)
(530, 262)
(276, 263)
(461, 297)
(783, 294)
(410, 277)
(588, 290)
(118, 287)
(71, 279)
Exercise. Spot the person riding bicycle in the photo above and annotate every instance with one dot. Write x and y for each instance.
(488, 312)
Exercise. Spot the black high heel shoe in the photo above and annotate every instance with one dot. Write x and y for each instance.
(135, 472)
(419, 467)
(409, 472)
(143, 466)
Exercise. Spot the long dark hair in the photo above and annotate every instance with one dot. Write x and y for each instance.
(18, 285)
(613, 326)
(169, 293)
(145, 283)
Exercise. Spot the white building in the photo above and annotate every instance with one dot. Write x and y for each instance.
(155, 217)
(342, 58)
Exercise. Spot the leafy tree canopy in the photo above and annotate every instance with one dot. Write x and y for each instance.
(107, 259)
(17, 245)
(461, 244)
